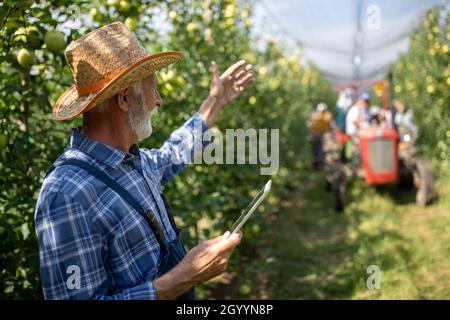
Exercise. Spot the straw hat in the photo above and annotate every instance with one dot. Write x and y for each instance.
(103, 63)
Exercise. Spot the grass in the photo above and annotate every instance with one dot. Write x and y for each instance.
(311, 252)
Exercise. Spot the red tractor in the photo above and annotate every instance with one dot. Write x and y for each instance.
(383, 156)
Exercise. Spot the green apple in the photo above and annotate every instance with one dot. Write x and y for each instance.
(21, 34)
(12, 23)
(30, 35)
(55, 41)
(26, 58)
(15, 19)
(93, 12)
(131, 23)
(124, 5)
(113, 3)
(245, 289)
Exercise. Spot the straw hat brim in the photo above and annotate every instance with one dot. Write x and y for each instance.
(70, 104)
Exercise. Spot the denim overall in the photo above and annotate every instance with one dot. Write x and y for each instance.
(171, 251)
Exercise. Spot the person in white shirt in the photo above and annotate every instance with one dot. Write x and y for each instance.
(404, 119)
(358, 115)
(344, 102)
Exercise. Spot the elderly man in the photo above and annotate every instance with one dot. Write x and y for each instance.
(105, 229)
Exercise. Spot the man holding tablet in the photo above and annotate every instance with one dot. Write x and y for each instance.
(105, 230)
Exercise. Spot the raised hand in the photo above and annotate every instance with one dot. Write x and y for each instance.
(231, 83)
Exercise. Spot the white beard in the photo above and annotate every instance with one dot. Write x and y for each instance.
(139, 119)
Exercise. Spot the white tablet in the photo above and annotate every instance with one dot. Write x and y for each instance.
(251, 208)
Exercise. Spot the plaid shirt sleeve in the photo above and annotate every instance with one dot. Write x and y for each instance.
(72, 253)
(178, 150)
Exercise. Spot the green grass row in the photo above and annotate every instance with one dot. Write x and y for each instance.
(311, 252)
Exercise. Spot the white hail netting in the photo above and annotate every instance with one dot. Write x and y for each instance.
(326, 30)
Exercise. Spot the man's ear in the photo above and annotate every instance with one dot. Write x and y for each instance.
(124, 99)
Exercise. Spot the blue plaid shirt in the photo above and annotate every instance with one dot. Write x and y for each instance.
(88, 231)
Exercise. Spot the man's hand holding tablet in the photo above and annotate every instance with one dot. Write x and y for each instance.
(208, 259)
(262, 194)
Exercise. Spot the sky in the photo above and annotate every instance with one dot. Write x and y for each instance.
(326, 30)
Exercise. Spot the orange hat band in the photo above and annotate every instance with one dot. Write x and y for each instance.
(98, 85)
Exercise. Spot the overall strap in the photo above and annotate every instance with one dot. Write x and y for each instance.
(121, 191)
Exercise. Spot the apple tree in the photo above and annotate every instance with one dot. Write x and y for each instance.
(206, 198)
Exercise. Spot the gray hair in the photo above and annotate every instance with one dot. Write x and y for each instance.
(100, 108)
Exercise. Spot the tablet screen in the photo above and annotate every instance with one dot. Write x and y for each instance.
(251, 208)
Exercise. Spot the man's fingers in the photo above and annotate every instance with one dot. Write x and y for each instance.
(214, 70)
(233, 69)
(234, 239)
(229, 243)
(244, 85)
(244, 79)
(216, 239)
(243, 71)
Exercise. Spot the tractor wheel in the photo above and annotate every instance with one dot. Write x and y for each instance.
(424, 181)
(405, 176)
(339, 191)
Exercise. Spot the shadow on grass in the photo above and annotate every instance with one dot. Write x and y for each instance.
(400, 195)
